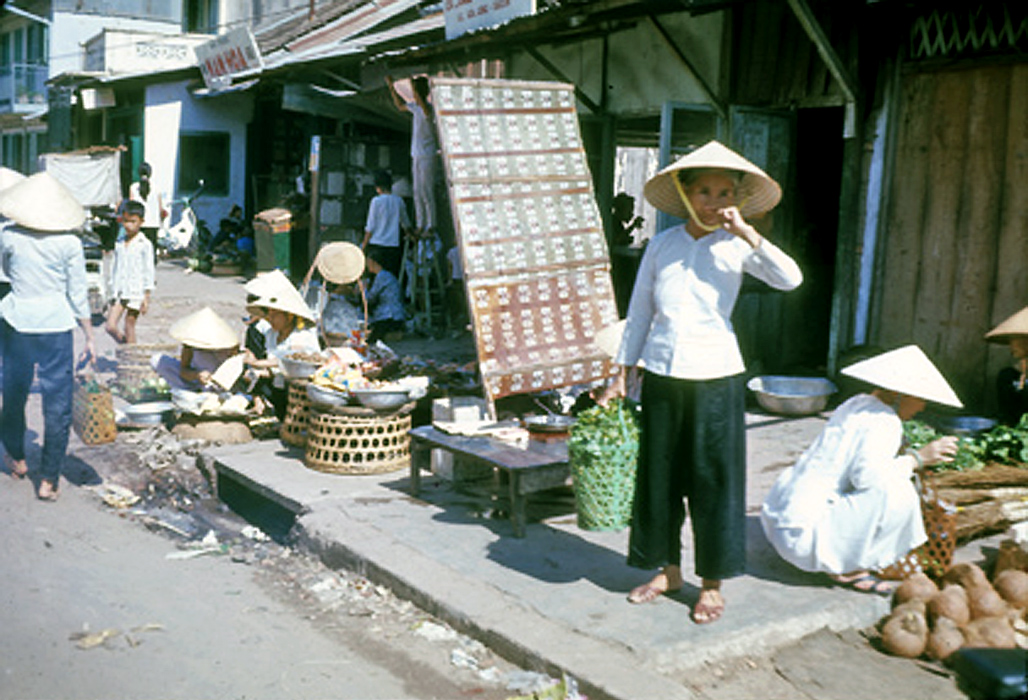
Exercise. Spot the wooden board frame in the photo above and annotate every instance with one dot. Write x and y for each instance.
(531, 240)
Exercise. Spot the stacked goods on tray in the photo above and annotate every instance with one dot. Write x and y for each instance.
(345, 378)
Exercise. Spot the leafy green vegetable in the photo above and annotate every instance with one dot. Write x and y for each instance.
(1003, 444)
(599, 428)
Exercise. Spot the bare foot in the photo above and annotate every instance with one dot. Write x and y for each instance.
(667, 581)
(47, 491)
(17, 467)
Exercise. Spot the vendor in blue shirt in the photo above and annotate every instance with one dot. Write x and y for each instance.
(386, 315)
(44, 261)
(679, 331)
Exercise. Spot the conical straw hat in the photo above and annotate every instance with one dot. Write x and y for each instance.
(341, 262)
(265, 282)
(205, 330)
(1015, 325)
(9, 178)
(755, 194)
(277, 292)
(42, 203)
(906, 370)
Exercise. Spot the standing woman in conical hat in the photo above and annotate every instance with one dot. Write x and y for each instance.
(8, 178)
(1012, 381)
(679, 331)
(43, 258)
(848, 507)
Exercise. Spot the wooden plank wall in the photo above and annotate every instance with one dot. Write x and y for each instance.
(955, 240)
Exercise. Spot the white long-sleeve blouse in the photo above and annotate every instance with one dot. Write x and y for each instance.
(679, 317)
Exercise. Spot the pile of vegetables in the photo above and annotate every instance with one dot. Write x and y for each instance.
(1003, 445)
(968, 610)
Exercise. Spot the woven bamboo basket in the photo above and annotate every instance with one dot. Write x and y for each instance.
(134, 375)
(358, 442)
(92, 414)
(293, 430)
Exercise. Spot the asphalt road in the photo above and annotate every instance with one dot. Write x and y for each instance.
(77, 574)
(204, 627)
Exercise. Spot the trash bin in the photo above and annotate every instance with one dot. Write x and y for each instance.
(271, 229)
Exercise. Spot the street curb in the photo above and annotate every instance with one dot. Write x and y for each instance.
(518, 633)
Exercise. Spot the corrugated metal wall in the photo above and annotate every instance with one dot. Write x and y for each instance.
(956, 227)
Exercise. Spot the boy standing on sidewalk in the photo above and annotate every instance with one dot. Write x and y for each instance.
(133, 277)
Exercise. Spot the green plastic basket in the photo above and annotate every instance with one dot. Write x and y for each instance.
(603, 449)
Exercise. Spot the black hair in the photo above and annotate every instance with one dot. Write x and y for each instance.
(420, 84)
(134, 208)
(687, 176)
(144, 179)
(383, 180)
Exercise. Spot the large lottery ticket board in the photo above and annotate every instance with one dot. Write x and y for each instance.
(536, 265)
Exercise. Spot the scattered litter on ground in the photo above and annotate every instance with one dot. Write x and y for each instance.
(254, 533)
(564, 689)
(116, 496)
(87, 640)
(434, 632)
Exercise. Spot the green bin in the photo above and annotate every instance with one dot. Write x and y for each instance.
(272, 233)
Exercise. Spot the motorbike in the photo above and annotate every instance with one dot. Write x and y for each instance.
(98, 238)
(189, 235)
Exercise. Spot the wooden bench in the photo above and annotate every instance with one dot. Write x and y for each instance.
(537, 466)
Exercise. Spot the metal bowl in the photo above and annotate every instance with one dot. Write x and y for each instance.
(549, 423)
(381, 399)
(298, 369)
(324, 396)
(965, 425)
(150, 413)
(792, 396)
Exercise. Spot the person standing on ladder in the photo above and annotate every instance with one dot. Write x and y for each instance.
(423, 152)
(422, 257)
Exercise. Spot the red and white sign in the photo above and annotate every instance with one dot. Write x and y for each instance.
(464, 16)
(226, 55)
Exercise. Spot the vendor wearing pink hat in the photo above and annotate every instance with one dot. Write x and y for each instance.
(679, 332)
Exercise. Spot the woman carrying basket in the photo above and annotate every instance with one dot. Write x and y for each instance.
(679, 331)
(43, 258)
(848, 506)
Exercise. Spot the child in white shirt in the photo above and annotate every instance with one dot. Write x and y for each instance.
(133, 277)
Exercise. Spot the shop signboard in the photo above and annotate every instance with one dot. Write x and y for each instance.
(226, 55)
(463, 16)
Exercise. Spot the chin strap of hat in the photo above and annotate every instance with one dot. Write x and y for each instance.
(688, 205)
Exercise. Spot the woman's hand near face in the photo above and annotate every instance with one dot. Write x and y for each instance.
(732, 221)
(942, 450)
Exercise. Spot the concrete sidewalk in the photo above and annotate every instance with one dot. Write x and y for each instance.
(555, 600)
